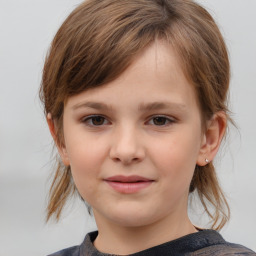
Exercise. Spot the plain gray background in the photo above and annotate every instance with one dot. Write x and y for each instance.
(26, 30)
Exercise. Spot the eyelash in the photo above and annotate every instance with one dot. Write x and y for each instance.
(89, 120)
(168, 120)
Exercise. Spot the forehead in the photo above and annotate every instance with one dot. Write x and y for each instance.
(155, 76)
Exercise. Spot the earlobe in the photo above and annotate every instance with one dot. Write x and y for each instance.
(212, 138)
(61, 148)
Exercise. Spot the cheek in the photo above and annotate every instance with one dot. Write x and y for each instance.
(85, 173)
(86, 156)
(85, 150)
(175, 157)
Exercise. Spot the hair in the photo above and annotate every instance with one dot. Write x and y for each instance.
(101, 38)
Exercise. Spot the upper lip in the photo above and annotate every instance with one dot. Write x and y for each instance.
(132, 178)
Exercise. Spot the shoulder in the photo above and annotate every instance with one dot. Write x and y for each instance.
(224, 250)
(217, 246)
(79, 250)
(71, 251)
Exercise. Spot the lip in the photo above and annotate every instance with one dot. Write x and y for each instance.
(128, 184)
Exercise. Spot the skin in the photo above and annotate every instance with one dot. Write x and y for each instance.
(148, 124)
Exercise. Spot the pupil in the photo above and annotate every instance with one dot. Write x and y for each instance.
(159, 120)
(97, 120)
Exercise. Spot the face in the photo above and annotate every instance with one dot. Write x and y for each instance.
(133, 143)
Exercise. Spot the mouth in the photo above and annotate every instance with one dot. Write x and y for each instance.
(128, 184)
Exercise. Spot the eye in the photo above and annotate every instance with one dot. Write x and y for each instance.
(95, 120)
(160, 121)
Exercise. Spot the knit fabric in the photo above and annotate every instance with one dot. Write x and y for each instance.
(203, 243)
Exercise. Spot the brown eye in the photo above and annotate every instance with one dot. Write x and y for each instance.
(160, 120)
(97, 120)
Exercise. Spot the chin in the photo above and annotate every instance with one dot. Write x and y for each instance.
(132, 217)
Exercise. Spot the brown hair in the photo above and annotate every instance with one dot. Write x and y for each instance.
(100, 39)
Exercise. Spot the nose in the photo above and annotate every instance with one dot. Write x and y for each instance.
(127, 146)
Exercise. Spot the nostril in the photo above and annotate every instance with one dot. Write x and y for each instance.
(126, 161)
(126, 152)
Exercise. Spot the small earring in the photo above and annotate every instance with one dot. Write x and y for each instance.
(207, 161)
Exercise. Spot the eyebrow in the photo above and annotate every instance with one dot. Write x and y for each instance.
(142, 107)
(161, 105)
(94, 105)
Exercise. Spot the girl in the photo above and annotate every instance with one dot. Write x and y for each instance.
(135, 98)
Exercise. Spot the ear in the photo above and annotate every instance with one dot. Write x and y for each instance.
(60, 146)
(212, 137)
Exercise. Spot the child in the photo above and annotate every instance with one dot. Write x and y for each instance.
(135, 97)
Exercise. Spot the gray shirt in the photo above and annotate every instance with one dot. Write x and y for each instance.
(202, 243)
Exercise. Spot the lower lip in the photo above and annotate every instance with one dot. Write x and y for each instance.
(129, 187)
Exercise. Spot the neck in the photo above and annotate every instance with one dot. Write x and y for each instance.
(117, 239)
